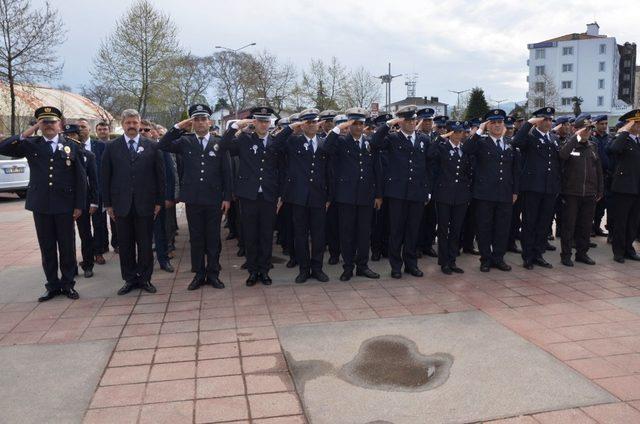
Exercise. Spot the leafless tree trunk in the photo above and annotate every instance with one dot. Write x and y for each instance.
(360, 89)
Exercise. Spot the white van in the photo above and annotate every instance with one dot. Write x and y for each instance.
(14, 176)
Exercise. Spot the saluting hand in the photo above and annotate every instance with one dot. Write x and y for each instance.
(394, 121)
(243, 123)
(483, 126)
(156, 211)
(377, 203)
(186, 124)
(419, 124)
(583, 134)
(226, 205)
(535, 121)
(447, 135)
(31, 130)
(110, 213)
(77, 213)
(345, 125)
(515, 197)
(626, 127)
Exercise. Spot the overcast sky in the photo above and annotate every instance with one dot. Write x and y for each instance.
(450, 45)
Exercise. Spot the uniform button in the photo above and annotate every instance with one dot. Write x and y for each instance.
(360, 162)
(201, 179)
(50, 160)
(201, 163)
(260, 178)
(51, 167)
(262, 169)
(410, 169)
(202, 171)
(500, 178)
(360, 155)
(361, 178)
(312, 171)
(501, 171)
(262, 160)
(409, 178)
(548, 169)
(311, 179)
(458, 167)
(456, 180)
(360, 170)
(50, 183)
(50, 175)
(410, 161)
(202, 156)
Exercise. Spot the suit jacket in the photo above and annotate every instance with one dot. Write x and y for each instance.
(139, 181)
(496, 174)
(541, 171)
(89, 159)
(308, 178)
(257, 165)
(452, 174)
(358, 171)
(206, 174)
(626, 172)
(58, 180)
(406, 176)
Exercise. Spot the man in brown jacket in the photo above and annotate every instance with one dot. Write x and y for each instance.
(582, 187)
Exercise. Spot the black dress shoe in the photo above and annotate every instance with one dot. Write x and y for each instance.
(430, 252)
(252, 280)
(215, 282)
(195, 283)
(48, 295)
(600, 233)
(632, 256)
(302, 277)
(334, 260)
(366, 272)
(541, 262)
(396, 274)
(514, 249)
(528, 265)
(585, 259)
(592, 244)
(71, 293)
(503, 266)
(292, 263)
(414, 271)
(418, 254)
(473, 251)
(446, 269)
(346, 275)
(88, 273)
(457, 269)
(550, 247)
(320, 276)
(566, 261)
(241, 252)
(375, 257)
(148, 287)
(128, 286)
(244, 265)
(231, 236)
(167, 267)
(550, 237)
(485, 268)
(619, 259)
(265, 279)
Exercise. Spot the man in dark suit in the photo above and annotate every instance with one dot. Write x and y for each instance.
(624, 149)
(257, 188)
(133, 186)
(56, 196)
(103, 133)
(406, 187)
(540, 184)
(307, 189)
(357, 191)
(87, 241)
(205, 188)
(495, 188)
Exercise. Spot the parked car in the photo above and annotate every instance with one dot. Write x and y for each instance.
(14, 176)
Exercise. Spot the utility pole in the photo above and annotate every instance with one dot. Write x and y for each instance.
(458, 93)
(235, 52)
(386, 79)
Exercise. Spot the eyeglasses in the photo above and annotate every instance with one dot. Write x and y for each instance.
(145, 129)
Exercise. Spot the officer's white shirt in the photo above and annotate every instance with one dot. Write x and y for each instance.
(136, 141)
(87, 144)
(458, 147)
(313, 142)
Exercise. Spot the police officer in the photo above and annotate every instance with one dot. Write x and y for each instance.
(307, 189)
(380, 224)
(602, 138)
(257, 187)
(87, 240)
(205, 188)
(406, 186)
(56, 196)
(495, 188)
(624, 149)
(427, 233)
(357, 191)
(516, 213)
(582, 186)
(451, 193)
(332, 225)
(540, 184)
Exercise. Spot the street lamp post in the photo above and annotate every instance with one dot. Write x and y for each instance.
(235, 91)
(459, 93)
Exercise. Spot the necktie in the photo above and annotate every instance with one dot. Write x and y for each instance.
(53, 148)
(546, 139)
(410, 139)
(132, 150)
(457, 151)
(264, 142)
(499, 144)
(202, 142)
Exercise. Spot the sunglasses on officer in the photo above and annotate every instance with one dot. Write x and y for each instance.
(145, 129)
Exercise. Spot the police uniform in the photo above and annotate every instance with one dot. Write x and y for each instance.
(516, 211)
(206, 182)
(427, 232)
(307, 188)
(540, 187)
(380, 222)
(57, 186)
(257, 188)
(357, 184)
(602, 141)
(624, 149)
(495, 182)
(406, 188)
(451, 194)
(332, 225)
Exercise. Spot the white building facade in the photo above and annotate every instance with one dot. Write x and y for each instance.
(585, 65)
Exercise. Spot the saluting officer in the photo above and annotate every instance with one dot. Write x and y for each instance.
(427, 232)
(357, 191)
(540, 184)
(495, 188)
(451, 193)
(516, 213)
(332, 225)
(406, 186)
(307, 189)
(380, 224)
(624, 149)
(257, 187)
(602, 138)
(205, 188)
(56, 196)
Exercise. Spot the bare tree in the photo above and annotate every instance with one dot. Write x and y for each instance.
(543, 92)
(135, 56)
(190, 79)
(230, 71)
(28, 47)
(270, 81)
(324, 83)
(360, 89)
(108, 98)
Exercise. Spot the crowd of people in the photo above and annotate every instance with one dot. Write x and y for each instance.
(359, 186)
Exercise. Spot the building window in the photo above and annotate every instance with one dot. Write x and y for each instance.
(567, 84)
(539, 54)
(600, 101)
(627, 63)
(567, 51)
(540, 70)
(539, 102)
(539, 87)
(603, 48)
(567, 67)
(566, 101)
(625, 91)
(601, 66)
(626, 77)
(600, 83)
